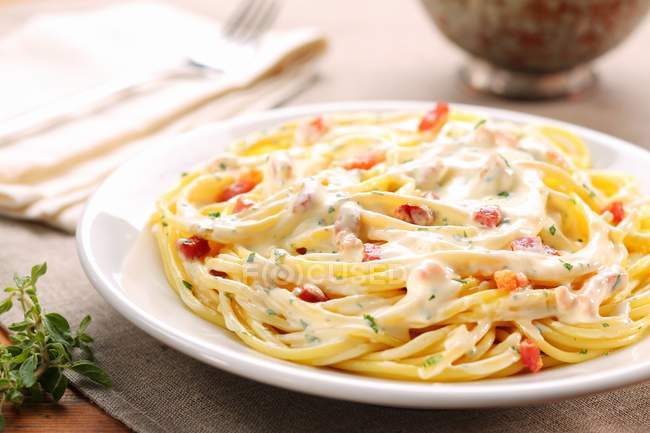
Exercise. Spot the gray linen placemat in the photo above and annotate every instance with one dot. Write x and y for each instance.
(158, 390)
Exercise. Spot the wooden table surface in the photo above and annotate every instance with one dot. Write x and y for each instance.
(379, 50)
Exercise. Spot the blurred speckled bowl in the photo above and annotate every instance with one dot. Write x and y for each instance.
(534, 48)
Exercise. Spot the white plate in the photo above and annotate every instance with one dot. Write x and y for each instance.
(122, 263)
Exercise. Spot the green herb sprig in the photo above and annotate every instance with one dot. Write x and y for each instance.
(42, 347)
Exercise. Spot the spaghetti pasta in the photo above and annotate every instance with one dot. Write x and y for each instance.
(438, 246)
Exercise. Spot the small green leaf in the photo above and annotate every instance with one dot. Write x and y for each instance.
(15, 397)
(567, 266)
(505, 194)
(85, 338)
(6, 305)
(250, 258)
(92, 372)
(480, 123)
(84, 324)
(38, 271)
(36, 392)
(58, 327)
(20, 326)
(54, 382)
(432, 297)
(187, 285)
(27, 370)
(214, 214)
(552, 230)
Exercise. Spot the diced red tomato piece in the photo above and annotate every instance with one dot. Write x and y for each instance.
(241, 204)
(510, 281)
(530, 355)
(310, 293)
(617, 210)
(194, 247)
(435, 119)
(533, 244)
(245, 183)
(488, 216)
(371, 252)
(366, 160)
(317, 125)
(414, 214)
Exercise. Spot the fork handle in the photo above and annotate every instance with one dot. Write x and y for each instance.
(52, 114)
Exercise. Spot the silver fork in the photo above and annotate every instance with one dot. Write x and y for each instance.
(243, 28)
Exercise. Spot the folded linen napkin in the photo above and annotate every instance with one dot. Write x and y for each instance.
(47, 176)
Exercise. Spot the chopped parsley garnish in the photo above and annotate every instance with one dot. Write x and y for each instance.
(222, 165)
(270, 312)
(618, 280)
(567, 266)
(460, 280)
(552, 230)
(504, 194)
(331, 209)
(422, 229)
(187, 285)
(214, 214)
(505, 161)
(164, 224)
(583, 351)
(480, 123)
(312, 338)
(432, 360)
(432, 297)
(371, 322)
(605, 325)
(250, 258)
(183, 174)
(278, 256)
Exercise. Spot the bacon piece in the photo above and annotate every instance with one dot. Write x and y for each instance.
(510, 281)
(310, 293)
(194, 247)
(242, 203)
(617, 210)
(434, 119)
(530, 355)
(216, 273)
(533, 244)
(371, 252)
(246, 182)
(366, 160)
(301, 250)
(488, 216)
(414, 214)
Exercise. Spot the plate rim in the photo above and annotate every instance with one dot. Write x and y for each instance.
(339, 385)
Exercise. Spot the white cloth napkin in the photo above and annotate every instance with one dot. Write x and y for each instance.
(47, 176)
